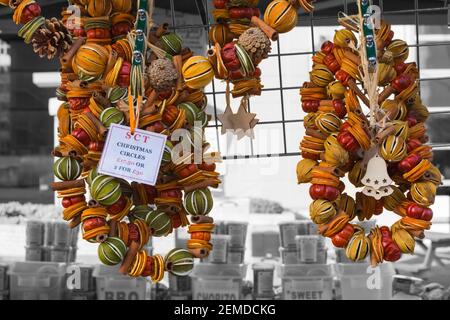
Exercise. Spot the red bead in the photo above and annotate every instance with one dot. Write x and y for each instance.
(401, 82)
(228, 53)
(339, 108)
(412, 144)
(151, 192)
(310, 106)
(400, 67)
(155, 127)
(342, 238)
(176, 221)
(391, 250)
(121, 28)
(331, 63)
(79, 32)
(148, 270)
(257, 73)
(233, 65)
(412, 121)
(327, 47)
(70, 201)
(133, 234)
(30, 12)
(347, 141)
(409, 162)
(235, 74)
(416, 211)
(171, 193)
(93, 223)
(207, 166)
(320, 191)
(187, 171)
(81, 136)
(118, 206)
(342, 76)
(170, 114)
(96, 146)
(78, 103)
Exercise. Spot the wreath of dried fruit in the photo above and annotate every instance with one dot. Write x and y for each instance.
(241, 40)
(384, 152)
(117, 68)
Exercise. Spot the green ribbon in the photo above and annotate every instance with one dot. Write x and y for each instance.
(368, 31)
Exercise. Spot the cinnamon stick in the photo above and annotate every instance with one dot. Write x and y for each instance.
(73, 49)
(64, 185)
(178, 63)
(212, 57)
(201, 219)
(355, 89)
(75, 221)
(149, 106)
(385, 94)
(186, 53)
(203, 184)
(101, 129)
(162, 29)
(182, 97)
(129, 257)
(270, 32)
(136, 196)
(101, 99)
(153, 39)
(384, 133)
(112, 228)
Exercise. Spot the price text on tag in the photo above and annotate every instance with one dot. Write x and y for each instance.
(133, 157)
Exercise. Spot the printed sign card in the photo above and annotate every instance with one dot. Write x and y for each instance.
(133, 157)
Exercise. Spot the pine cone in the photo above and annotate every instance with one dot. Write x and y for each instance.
(256, 43)
(52, 39)
(162, 74)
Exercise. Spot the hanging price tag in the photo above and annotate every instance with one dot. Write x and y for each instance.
(134, 157)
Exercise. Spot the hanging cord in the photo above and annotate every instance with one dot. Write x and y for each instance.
(138, 41)
(369, 72)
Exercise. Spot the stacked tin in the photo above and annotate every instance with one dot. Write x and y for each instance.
(230, 237)
(34, 239)
(300, 243)
(50, 241)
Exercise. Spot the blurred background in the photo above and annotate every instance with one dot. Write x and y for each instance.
(259, 181)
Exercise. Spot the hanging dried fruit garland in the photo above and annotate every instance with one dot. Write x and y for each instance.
(384, 152)
(116, 68)
(241, 40)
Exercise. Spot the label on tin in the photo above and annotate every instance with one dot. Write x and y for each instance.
(288, 233)
(206, 289)
(263, 282)
(235, 257)
(134, 157)
(311, 289)
(308, 250)
(237, 233)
